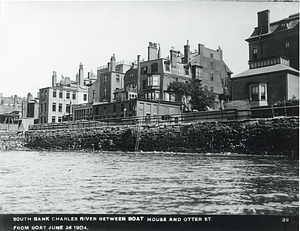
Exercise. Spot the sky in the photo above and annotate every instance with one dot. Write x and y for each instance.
(39, 37)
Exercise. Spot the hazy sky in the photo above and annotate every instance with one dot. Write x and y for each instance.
(38, 38)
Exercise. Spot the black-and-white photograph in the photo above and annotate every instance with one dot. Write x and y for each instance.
(149, 115)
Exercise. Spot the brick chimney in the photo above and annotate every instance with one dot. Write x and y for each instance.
(263, 22)
(173, 55)
(81, 83)
(186, 52)
(113, 63)
(54, 79)
(152, 51)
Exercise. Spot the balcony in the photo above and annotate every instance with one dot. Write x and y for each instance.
(269, 62)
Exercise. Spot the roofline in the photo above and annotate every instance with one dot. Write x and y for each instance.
(290, 70)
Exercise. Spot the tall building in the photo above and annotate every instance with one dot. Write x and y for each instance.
(55, 102)
(157, 73)
(109, 78)
(273, 72)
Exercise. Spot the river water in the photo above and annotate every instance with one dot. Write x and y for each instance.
(147, 183)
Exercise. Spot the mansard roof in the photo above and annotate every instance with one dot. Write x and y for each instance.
(290, 23)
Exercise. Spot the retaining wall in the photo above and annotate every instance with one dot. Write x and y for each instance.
(12, 140)
(264, 136)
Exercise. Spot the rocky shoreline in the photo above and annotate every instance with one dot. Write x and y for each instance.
(276, 136)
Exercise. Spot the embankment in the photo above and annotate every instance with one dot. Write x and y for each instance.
(12, 140)
(264, 136)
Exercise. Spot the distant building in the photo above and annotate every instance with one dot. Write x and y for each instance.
(55, 102)
(11, 104)
(273, 72)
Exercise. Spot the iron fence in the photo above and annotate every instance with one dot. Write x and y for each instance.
(222, 115)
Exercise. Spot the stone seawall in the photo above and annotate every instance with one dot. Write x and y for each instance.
(264, 136)
(12, 140)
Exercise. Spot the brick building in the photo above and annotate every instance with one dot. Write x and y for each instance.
(273, 72)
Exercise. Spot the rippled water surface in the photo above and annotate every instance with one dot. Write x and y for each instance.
(149, 183)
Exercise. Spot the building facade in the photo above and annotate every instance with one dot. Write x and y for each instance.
(55, 103)
(273, 72)
(134, 108)
(109, 78)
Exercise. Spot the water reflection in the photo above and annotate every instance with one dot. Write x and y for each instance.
(154, 183)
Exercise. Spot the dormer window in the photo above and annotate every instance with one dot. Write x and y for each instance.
(254, 53)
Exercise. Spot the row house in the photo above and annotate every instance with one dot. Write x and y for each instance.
(151, 78)
(125, 85)
(55, 103)
(273, 72)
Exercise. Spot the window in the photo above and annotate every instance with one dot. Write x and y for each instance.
(74, 95)
(59, 119)
(254, 53)
(54, 93)
(153, 80)
(157, 95)
(211, 77)
(254, 93)
(118, 78)
(45, 106)
(154, 67)
(68, 108)
(211, 65)
(53, 119)
(167, 65)
(287, 44)
(94, 94)
(85, 97)
(53, 106)
(60, 94)
(105, 79)
(104, 91)
(186, 70)
(60, 107)
(211, 55)
(198, 72)
(263, 92)
(144, 70)
(68, 95)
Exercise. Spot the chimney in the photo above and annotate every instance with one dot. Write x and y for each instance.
(186, 52)
(173, 55)
(138, 76)
(152, 51)
(200, 49)
(29, 97)
(113, 62)
(54, 79)
(158, 55)
(81, 74)
(263, 22)
(221, 52)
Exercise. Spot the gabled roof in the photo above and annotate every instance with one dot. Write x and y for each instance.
(266, 70)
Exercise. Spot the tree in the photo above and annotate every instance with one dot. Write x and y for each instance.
(192, 95)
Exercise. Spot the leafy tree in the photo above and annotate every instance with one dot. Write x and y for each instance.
(290, 102)
(192, 95)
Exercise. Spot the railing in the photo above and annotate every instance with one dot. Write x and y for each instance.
(222, 115)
